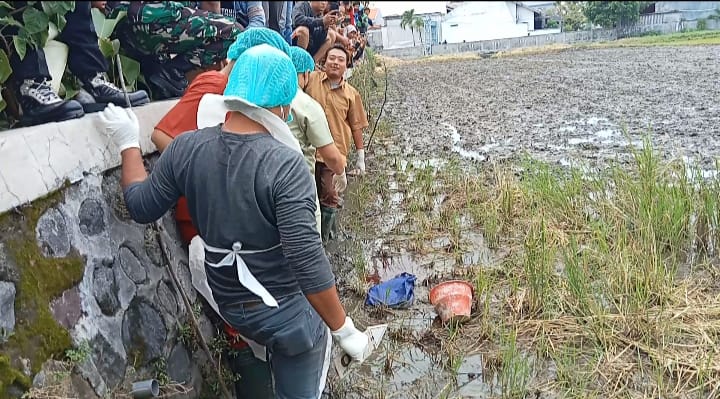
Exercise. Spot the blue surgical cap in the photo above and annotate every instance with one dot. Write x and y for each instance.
(302, 60)
(264, 76)
(254, 36)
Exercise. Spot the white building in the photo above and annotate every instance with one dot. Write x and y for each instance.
(392, 36)
(472, 21)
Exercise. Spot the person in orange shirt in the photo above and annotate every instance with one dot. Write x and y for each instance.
(256, 381)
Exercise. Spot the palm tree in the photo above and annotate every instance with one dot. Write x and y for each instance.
(419, 25)
(408, 20)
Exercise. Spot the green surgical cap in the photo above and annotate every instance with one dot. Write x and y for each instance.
(264, 76)
(254, 36)
(302, 60)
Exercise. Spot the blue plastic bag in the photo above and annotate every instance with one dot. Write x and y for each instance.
(395, 293)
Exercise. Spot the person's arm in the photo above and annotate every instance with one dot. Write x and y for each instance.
(211, 6)
(358, 139)
(299, 17)
(332, 157)
(294, 196)
(357, 119)
(147, 198)
(160, 139)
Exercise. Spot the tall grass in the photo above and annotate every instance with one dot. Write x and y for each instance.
(602, 271)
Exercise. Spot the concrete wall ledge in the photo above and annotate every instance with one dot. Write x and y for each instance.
(37, 160)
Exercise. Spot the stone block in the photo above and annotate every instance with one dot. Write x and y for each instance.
(7, 309)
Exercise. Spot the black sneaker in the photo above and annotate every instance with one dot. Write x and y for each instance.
(40, 104)
(105, 92)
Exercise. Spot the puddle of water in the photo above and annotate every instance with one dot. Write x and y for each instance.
(479, 253)
(579, 140)
(470, 380)
(489, 146)
(606, 133)
(415, 368)
(457, 146)
(385, 267)
(594, 120)
(421, 163)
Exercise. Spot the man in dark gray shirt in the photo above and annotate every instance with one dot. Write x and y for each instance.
(252, 200)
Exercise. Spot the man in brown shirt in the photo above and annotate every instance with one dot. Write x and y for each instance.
(347, 119)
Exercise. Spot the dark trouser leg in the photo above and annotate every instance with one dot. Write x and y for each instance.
(296, 337)
(33, 65)
(39, 104)
(329, 199)
(85, 58)
(255, 376)
(87, 62)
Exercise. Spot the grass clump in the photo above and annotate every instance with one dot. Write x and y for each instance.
(603, 268)
(605, 277)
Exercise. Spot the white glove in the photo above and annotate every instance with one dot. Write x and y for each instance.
(122, 126)
(340, 182)
(351, 340)
(360, 164)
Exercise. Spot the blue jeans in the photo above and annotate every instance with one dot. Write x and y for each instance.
(296, 338)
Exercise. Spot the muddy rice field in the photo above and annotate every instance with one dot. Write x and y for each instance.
(576, 191)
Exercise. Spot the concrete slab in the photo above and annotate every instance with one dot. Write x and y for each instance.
(36, 160)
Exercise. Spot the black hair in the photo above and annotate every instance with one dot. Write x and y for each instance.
(339, 46)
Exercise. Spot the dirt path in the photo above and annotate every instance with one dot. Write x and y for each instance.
(564, 106)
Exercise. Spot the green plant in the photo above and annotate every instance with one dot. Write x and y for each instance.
(111, 49)
(610, 14)
(16, 36)
(79, 354)
(412, 21)
(160, 370)
(702, 24)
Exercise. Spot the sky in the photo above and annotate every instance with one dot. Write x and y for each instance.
(398, 7)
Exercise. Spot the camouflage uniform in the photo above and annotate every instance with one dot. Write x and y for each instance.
(163, 28)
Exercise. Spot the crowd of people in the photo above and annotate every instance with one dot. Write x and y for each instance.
(254, 159)
(173, 41)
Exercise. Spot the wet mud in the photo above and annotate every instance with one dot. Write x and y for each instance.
(585, 107)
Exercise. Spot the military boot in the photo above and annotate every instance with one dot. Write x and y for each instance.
(40, 104)
(104, 92)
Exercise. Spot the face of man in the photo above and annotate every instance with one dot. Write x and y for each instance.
(318, 6)
(336, 63)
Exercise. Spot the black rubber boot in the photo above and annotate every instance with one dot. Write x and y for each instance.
(255, 377)
(327, 222)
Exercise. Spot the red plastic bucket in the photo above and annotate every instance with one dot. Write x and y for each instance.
(452, 300)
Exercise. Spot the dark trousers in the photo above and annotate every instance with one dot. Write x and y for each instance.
(84, 57)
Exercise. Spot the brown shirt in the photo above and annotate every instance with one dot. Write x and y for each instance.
(343, 108)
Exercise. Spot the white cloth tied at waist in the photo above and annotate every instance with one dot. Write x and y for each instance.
(233, 257)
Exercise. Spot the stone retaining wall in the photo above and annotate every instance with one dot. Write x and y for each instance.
(76, 271)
